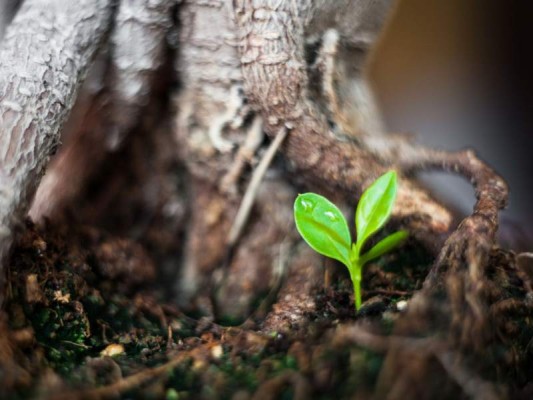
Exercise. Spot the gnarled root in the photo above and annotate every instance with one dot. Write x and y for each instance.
(455, 297)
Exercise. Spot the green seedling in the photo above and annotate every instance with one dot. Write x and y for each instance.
(325, 229)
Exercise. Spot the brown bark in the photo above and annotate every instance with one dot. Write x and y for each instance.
(278, 85)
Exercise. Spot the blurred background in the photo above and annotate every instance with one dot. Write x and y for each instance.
(457, 74)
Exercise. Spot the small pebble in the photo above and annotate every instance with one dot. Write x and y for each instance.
(217, 351)
(112, 350)
(401, 305)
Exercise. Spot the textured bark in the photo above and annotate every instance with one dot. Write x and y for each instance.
(45, 55)
(115, 95)
(217, 139)
(146, 24)
(211, 102)
(276, 80)
(214, 130)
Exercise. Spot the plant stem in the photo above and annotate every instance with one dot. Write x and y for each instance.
(356, 282)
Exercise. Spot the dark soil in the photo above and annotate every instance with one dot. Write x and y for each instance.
(83, 318)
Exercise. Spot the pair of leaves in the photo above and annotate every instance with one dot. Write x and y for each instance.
(325, 229)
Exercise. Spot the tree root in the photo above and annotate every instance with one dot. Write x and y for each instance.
(280, 92)
(126, 384)
(253, 187)
(428, 350)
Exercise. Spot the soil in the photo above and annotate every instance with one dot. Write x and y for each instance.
(85, 318)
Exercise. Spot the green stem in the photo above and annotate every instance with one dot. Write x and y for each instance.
(356, 282)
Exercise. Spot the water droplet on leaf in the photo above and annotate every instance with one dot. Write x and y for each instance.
(307, 204)
(332, 217)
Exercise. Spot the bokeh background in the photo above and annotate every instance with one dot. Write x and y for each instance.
(457, 73)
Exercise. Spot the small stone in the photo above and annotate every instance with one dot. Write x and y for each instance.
(401, 305)
(112, 350)
(61, 298)
(217, 351)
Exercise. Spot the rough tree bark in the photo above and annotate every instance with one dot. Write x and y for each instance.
(45, 55)
(247, 67)
(117, 89)
(273, 62)
(8, 9)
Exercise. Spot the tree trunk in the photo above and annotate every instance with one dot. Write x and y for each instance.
(38, 87)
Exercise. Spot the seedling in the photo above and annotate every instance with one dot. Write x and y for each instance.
(325, 229)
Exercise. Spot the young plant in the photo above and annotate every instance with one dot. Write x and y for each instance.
(325, 229)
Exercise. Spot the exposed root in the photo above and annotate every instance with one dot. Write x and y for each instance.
(361, 336)
(475, 235)
(126, 384)
(296, 299)
(251, 192)
(462, 263)
(244, 156)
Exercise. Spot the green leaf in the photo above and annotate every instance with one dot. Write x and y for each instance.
(375, 207)
(323, 226)
(384, 246)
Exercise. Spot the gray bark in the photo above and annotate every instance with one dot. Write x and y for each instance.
(210, 127)
(44, 57)
(137, 51)
(121, 79)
